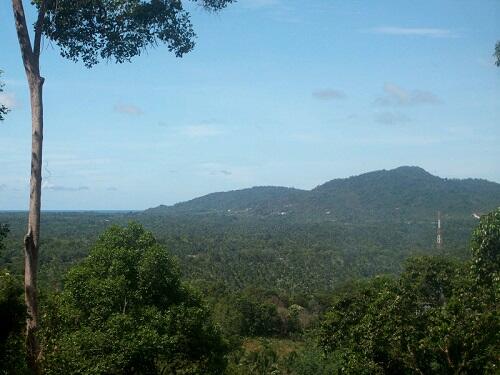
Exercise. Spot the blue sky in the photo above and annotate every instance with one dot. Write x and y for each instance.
(275, 93)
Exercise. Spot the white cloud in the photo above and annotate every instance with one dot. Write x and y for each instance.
(201, 131)
(328, 94)
(399, 140)
(308, 137)
(49, 186)
(9, 100)
(391, 118)
(128, 109)
(256, 4)
(223, 172)
(409, 31)
(277, 10)
(215, 169)
(487, 62)
(398, 96)
(72, 162)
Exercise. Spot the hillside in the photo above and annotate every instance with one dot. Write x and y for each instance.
(290, 239)
(404, 193)
(256, 200)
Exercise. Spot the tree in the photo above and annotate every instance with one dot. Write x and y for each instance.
(4, 230)
(436, 318)
(90, 31)
(486, 249)
(3, 108)
(257, 318)
(124, 310)
(362, 328)
(12, 315)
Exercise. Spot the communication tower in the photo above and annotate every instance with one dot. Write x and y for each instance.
(439, 238)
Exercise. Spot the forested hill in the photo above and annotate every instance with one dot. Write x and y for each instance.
(262, 200)
(404, 193)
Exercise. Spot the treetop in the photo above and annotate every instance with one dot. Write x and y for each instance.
(95, 30)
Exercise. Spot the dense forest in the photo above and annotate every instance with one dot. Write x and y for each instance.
(198, 292)
(290, 253)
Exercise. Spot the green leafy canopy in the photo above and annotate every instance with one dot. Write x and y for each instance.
(124, 310)
(486, 249)
(94, 30)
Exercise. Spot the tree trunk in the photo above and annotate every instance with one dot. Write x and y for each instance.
(31, 57)
(32, 238)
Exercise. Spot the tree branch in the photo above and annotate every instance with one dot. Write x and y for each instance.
(24, 39)
(38, 30)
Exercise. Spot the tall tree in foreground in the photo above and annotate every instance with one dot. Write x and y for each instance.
(3, 108)
(87, 31)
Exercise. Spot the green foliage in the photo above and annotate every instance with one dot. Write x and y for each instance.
(256, 313)
(257, 318)
(310, 360)
(90, 30)
(261, 360)
(486, 249)
(293, 318)
(3, 109)
(124, 310)
(4, 230)
(433, 319)
(358, 326)
(281, 357)
(12, 315)
(465, 332)
(296, 258)
(438, 316)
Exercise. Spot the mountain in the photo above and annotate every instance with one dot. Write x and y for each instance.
(404, 193)
(261, 199)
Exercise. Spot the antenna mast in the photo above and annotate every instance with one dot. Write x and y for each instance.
(439, 238)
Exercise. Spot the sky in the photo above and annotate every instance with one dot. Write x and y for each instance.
(275, 93)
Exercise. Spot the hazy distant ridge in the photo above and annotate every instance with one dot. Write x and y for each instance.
(401, 193)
